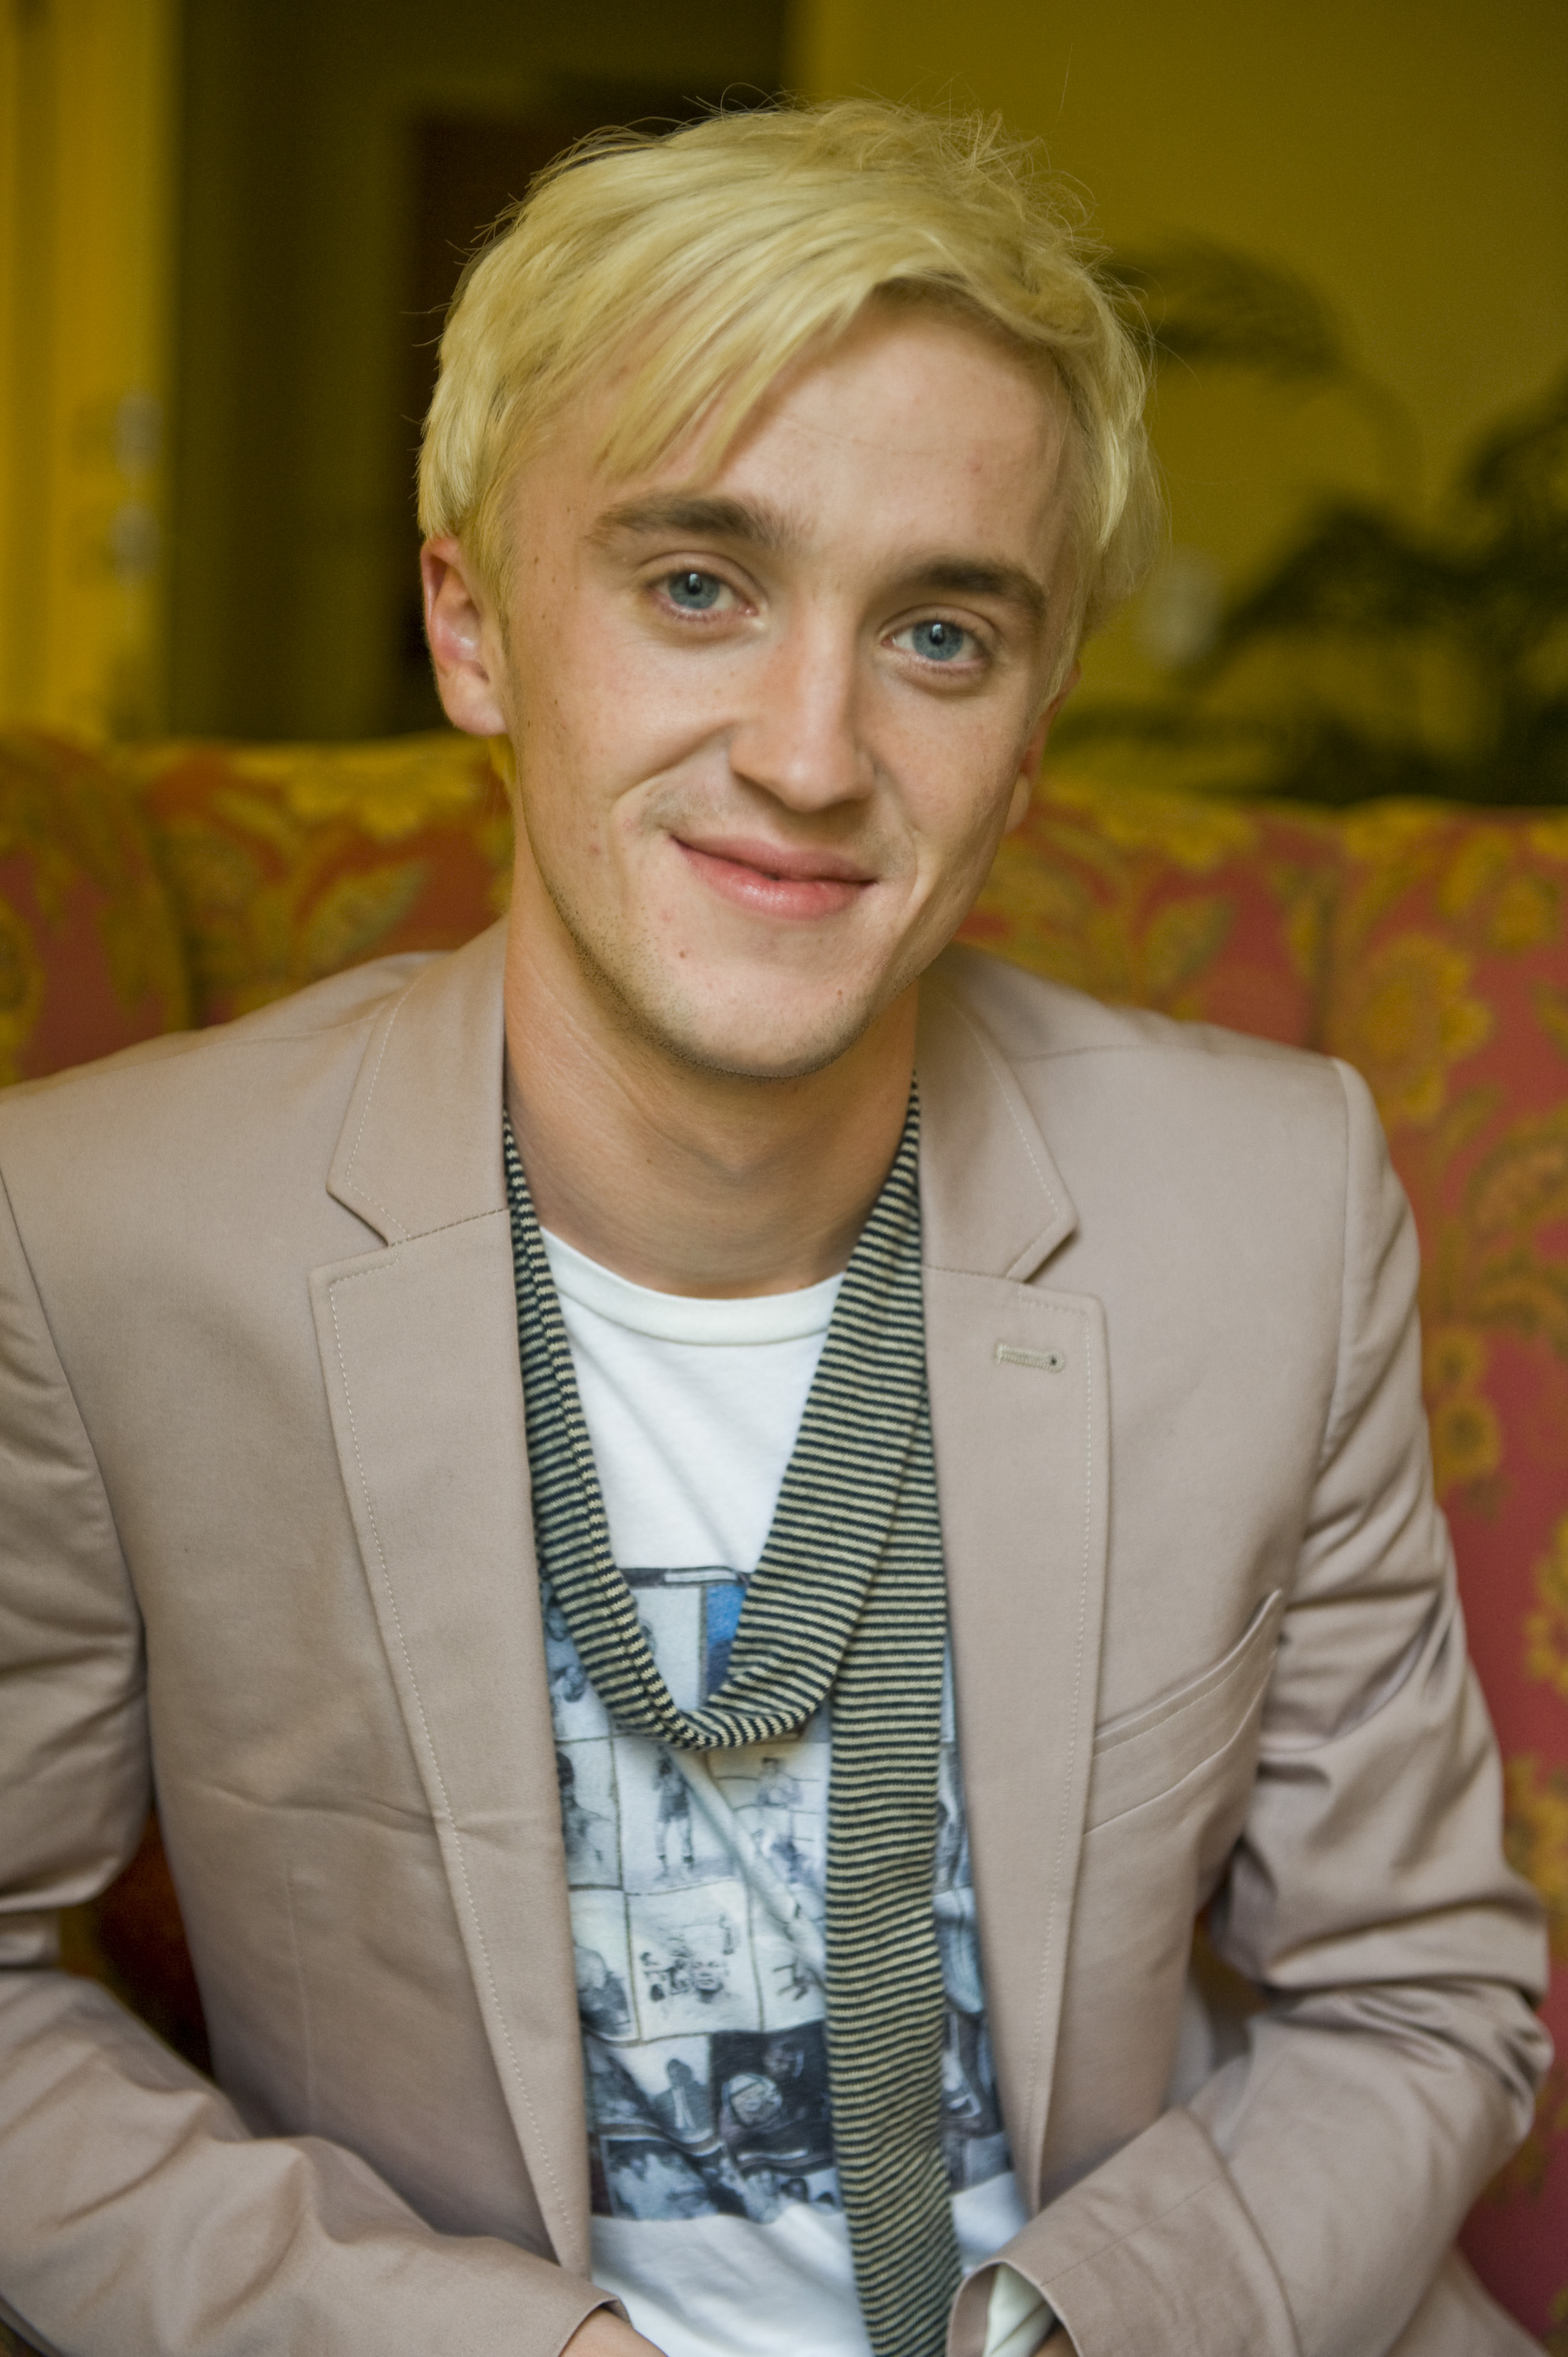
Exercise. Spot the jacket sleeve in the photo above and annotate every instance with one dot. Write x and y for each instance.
(138, 2212)
(1300, 2203)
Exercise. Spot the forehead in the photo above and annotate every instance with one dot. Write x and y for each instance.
(913, 426)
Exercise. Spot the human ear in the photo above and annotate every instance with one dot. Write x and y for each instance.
(459, 626)
(1034, 752)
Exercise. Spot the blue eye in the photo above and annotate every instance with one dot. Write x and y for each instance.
(693, 592)
(940, 642)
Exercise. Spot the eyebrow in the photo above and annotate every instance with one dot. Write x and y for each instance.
(707, 517)
(961, 577)
(714, 517)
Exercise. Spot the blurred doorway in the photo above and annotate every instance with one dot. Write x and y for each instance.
(340, 158)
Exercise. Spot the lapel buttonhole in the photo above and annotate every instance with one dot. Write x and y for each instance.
(1011, 1354)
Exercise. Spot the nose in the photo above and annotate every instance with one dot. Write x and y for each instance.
(800, 737)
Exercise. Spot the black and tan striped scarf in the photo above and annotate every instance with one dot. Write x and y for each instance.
(849, 1600)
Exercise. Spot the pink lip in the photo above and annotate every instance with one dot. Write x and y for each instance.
(770, 881)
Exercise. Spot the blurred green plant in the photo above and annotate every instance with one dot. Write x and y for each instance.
(1382, 653)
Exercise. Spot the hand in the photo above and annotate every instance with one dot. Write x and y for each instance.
(605, 2334)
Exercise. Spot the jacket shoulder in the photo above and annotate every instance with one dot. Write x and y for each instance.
(219, 1122)
(1029, 1017)
(1146, 1090)
(331, 1016)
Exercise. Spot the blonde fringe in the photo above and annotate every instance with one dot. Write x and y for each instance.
(697, 268)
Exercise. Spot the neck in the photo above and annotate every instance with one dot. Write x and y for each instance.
(686, 1181)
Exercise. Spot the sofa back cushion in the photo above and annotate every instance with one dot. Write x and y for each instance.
(289, 861)
(1214, 910)
(90, 953)
(1447, 987)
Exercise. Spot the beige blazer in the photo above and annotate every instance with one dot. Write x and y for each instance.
(264, 1535)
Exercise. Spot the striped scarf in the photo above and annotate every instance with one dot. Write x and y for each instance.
(849, 1599)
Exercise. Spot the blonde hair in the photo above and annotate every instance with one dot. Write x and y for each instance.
(698, 267)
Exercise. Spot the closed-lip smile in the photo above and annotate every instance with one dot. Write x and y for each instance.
(775, 879)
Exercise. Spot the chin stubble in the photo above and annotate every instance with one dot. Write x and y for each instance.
(649, 1018)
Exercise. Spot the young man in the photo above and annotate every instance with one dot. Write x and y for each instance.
(405, 1390)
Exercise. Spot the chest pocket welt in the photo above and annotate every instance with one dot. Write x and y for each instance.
(1144, 1752)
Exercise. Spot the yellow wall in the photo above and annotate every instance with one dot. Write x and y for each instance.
(1409, 156)
(86, 259)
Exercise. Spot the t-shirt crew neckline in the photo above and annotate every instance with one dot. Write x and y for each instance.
(697, 1318)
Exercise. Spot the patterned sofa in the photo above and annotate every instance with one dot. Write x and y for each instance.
(1428, 945)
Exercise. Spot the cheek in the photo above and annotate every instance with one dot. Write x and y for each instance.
(670, 700)
(618, 712)
(959, 789)
(571, 735)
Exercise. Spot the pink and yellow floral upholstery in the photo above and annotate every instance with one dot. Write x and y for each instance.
(1214, 912)
(89, 959)
(1429, 946)
(1448, 988)
(288, 862)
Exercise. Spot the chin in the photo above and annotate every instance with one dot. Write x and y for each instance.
(748, 1025)
(763, 1044)
(759, 1058)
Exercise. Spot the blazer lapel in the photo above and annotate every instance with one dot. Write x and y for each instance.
(1019, 1420)
(419, 1349)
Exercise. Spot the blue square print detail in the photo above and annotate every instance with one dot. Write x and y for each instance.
(721, 1619)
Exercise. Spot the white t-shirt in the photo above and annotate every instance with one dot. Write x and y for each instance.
(697, 1882)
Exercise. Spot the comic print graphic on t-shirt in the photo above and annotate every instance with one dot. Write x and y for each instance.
(697, 1896)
